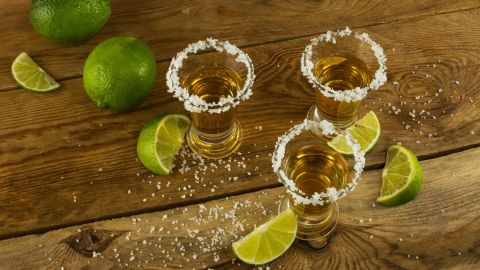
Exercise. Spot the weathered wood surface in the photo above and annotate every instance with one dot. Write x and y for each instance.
(437, 230)
(63, 161)
(168, 26)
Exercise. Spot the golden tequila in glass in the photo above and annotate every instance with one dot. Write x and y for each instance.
(343, 67)
(315, 168)
(315, 176)
(211, 85)
(211, 78)
(340, 72)
(214, 135)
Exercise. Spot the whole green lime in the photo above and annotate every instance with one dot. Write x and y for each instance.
(69, 20)
(120, 73)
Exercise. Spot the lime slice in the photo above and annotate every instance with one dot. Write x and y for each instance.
(31, 76)
(269, 241)
(402, 177)
(160, 140)
(365, 131)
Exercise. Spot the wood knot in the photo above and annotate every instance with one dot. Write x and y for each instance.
(89, 240)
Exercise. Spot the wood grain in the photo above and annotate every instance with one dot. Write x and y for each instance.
(437, 230)
(168, 26)
(63, 161)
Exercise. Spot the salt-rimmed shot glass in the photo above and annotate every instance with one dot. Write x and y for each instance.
(315, 176)
(343, 67)
(211, 78)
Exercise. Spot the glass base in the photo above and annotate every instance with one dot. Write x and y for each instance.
(315, 230)
(315, 115)
(215, 146)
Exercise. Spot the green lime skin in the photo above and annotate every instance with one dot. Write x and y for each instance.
(411, 191)
(146, 149)
(69, 21)
(120, 73)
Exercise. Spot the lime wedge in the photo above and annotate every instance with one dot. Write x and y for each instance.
(365, 131)
(269, 241)
(402, 177)
(160, 140)
(31, 76)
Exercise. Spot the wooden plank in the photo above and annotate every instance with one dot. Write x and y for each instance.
(168, 26)
(438, 230)
(58, 146)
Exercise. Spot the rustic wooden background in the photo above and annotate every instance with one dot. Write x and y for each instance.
(73, 195)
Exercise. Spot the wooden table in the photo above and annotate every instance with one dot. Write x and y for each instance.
(73, 195)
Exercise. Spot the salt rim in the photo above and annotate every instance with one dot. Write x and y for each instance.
(332, 194)
(194, 103)
(349, 95)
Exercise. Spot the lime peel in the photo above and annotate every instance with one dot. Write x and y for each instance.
(120, 73)
(69, 21)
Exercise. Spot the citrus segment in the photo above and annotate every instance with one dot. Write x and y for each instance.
(268, 241)
(160, 140)
(402, 177)
(31, 76)
(364, 131)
